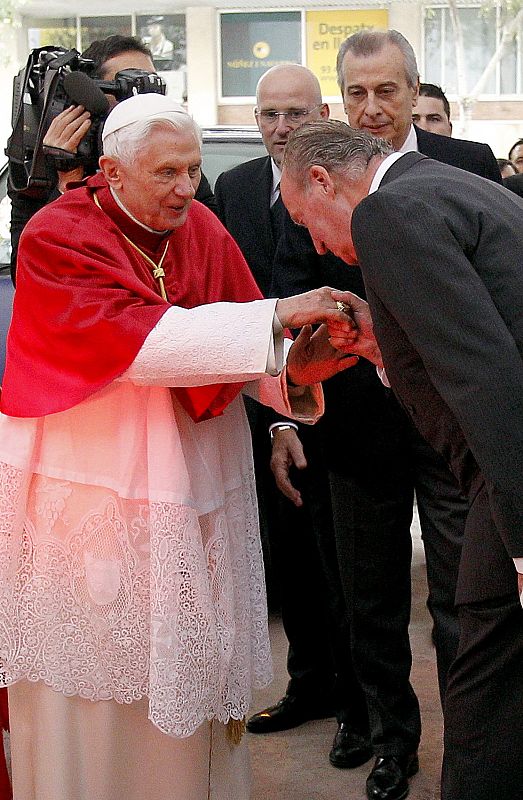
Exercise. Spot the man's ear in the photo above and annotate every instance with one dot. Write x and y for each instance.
(416, 94)
(320, 179)
(110, 168)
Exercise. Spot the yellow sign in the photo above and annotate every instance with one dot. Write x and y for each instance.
(326, 30)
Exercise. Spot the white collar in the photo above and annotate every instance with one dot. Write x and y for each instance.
(385, 165)
(131, 216)
(411, 142)
(409, 145)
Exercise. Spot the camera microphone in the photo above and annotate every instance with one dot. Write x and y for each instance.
(84, 92)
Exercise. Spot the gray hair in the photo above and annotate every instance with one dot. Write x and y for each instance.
(126, 143)
(367, 43)
(333, 145)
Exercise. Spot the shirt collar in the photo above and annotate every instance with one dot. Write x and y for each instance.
(409, 145)
(411, 142)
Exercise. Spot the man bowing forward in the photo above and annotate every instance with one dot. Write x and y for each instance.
(441, 252)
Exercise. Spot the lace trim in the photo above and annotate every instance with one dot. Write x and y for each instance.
(109, 598)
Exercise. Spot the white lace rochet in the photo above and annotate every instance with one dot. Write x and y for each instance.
(130, 559)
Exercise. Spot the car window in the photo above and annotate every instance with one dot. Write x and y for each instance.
(219, 156)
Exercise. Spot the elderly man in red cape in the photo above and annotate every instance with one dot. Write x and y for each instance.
(132, 604)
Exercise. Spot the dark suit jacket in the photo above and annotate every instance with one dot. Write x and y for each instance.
(470, 156)
(379, 442)
(514, 183)
(441, 254)
(243, 196)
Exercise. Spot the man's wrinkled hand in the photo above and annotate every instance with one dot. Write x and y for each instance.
(287, 451)
(313, 359)
(311, 308)
(360, 340)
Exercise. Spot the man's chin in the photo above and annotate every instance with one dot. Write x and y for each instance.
(175, 218)
(382, 132)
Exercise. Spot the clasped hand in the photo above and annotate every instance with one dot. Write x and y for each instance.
(312, 358)
(360, 340)
(345, 334)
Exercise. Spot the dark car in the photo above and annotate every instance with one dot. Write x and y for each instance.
(223, 147)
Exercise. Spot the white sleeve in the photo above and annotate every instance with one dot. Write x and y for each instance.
(382, 375)
(214, 343)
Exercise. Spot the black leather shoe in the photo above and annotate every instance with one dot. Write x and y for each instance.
(389, 779)
(289, 712)
(349, 748)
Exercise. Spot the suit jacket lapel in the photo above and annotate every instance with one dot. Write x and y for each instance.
(258, 200)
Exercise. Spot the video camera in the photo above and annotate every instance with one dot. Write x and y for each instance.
(53, 79)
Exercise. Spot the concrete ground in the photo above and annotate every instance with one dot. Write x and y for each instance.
(294, 765)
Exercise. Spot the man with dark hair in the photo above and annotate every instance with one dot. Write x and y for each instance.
(67, 130)
(102, 51)
(432, 110)
(515, 155)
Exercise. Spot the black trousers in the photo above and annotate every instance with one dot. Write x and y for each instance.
(372, 519)
(443, 513)
(295, 577)
(374, 549)
(483, 757)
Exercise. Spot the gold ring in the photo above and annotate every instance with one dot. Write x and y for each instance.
(341, 306)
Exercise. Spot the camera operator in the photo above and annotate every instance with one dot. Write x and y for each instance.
(67, 130)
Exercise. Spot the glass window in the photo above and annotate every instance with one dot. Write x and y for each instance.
(481, 32)
(434, 64)
(60, 32)
(253, 42)
(164, 35)
(94, 28)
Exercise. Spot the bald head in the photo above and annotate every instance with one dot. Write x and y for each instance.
(287, 95)
(289, 76)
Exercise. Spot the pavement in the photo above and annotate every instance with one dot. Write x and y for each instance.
(294, 765)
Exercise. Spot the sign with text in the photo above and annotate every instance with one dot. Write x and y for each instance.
(326, 30)
(254, 42)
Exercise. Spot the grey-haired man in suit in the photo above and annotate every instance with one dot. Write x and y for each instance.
(440, 252)
(372, 491)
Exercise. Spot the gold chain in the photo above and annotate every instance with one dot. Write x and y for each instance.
(157, 269)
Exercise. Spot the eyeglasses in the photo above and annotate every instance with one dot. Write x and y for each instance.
(294, 115)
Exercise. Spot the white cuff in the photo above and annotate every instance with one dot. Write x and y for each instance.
(283, 424)
(382, 375)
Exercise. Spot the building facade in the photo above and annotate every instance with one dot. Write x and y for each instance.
(212, 57)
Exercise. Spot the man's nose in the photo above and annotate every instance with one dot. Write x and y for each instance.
(372, 106)
(184, 187)
(282, 126)
(319, 246)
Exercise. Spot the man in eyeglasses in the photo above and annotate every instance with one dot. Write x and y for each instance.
(250, 207)
(286, 96)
